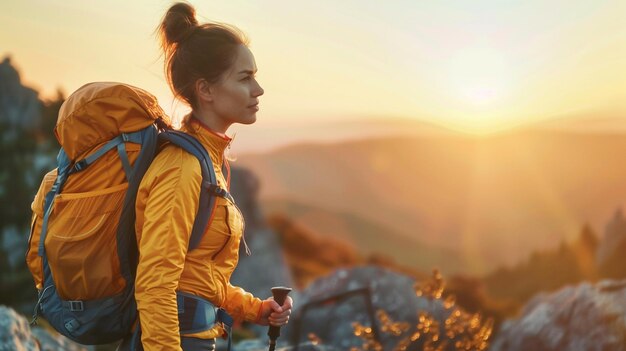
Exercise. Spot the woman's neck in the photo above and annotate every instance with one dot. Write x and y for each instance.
(210, 120)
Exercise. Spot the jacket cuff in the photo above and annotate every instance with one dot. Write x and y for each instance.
(258, 313)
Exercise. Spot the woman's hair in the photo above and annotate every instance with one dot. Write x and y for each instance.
(196, 51)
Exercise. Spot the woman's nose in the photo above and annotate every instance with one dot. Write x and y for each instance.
(258, 91)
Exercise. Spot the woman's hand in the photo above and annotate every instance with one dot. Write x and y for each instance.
(272, 313)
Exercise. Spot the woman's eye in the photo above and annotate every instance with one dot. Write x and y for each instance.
(246, 78)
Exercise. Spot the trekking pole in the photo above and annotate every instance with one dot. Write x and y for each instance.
(280, 294)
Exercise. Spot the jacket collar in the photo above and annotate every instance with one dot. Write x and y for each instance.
(212, 141)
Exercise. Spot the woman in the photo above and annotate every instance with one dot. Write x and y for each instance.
(210, 68)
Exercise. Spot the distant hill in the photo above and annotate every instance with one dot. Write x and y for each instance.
(605, 122)
(492, 199)
(370, 239)
(268, 135)
(265, 135)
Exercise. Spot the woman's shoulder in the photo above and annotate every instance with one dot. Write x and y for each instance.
(170, 153)
(173, 162)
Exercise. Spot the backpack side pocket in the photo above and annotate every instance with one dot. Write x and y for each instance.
(33, 260)
(82, 243)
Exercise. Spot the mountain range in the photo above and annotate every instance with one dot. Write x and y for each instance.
(490, 200)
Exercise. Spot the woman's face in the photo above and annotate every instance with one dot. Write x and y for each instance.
(235, 96)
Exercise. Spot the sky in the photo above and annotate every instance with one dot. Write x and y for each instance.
(475, 66)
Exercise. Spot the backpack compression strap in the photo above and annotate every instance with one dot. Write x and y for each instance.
(117, 142)
(209, 188)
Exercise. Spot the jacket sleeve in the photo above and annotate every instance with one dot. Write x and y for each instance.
(241, 305)
(170, 192)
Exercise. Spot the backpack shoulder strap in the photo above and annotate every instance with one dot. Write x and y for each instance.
(127, 244)
(209, 188)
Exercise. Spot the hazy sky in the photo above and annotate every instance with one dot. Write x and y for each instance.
(471, 65)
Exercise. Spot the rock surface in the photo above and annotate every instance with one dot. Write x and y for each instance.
(585, 317)
(16, 334)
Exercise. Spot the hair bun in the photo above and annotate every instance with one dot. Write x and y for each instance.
(178, 23)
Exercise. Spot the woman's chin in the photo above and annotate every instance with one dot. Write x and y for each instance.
(249, 120)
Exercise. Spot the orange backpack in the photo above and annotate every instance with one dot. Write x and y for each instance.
(82, 250)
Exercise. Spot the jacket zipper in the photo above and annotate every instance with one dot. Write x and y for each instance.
(243, 231)
(230, 234)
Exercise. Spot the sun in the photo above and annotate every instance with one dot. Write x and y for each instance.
(478, 76)
(481, 94)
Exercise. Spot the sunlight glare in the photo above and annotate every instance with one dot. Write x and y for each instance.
(478, 75)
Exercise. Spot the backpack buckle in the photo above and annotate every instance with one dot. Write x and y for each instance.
(215, 189)
(76, 306)
(80, 165)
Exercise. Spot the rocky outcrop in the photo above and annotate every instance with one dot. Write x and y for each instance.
(19, 105)
(266, 267)
(245, 186)
(584, 317)
(22, 158)
(16, 334)
(329, 307)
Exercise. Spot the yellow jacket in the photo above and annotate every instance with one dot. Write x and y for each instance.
(166, 206)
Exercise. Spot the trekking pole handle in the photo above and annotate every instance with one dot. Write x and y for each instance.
(280, 294)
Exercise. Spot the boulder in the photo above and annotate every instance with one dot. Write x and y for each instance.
(586, 317)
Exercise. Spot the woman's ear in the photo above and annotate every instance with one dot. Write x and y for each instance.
(203, 90)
